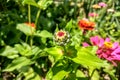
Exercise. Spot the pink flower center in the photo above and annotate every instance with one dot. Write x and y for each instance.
(60, 34)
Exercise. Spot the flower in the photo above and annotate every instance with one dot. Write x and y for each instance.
(61, 37)
(93, 14)
(102, 4)
(85, 24)
(31, 24)
(106, 49)
(96, 6)
(110, 10)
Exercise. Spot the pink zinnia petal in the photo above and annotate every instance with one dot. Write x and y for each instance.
(94, 40)
(107, 39)
(102, 4)
(116, 51)
(101, 42)
(85, 44)
(115, 45)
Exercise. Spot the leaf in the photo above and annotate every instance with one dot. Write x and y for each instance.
(27, 30)
(79, 74)
(43, 4)
(116, 14)
(30, 2)
(25, 49)
(60, 75)
(56, 52)
(9, 52)
(86, 57)
(18, 63)
(57, 72)
(31, 75)
(44, 34)
(69, 25)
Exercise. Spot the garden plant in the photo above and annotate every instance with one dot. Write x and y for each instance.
(59, 40)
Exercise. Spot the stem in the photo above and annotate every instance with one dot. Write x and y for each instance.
(29, 14)
(29, 19)
(31, 41)
(37, 16)
(26, 38)
(91, 74)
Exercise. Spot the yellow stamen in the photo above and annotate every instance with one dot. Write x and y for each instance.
(108, 44)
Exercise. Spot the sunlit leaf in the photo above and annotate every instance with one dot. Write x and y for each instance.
(58, 72)
(18, 63)
(87, 57)
(31, 75)
(44, 34)
(56, 52)
(43, 4)
(117, 14)
(69, 25)
(30, 2)
(27, 30)
(9, 52)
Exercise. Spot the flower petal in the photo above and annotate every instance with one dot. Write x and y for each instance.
(94, 40)
(85, 44)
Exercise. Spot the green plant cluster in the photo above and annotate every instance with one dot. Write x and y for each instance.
(30, 53)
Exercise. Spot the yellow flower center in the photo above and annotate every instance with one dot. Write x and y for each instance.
(108, 45)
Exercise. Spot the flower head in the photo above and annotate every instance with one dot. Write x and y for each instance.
(110, 10)
(85, 24)
(102, 4)
(96, 6)
(61, 37)
(93, 14)
(31, 24)
(106, 49)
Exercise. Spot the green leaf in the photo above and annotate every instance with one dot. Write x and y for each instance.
(27, 30)
(116, 14)
(60, 75)
(69, 25)
(31, 75)
(56, 52)
(58, 72)
(44, 34)
(25, 49)
(18, 63)
(30, 2)
(43, 4)
(9, 52)
(79, 74)
(87, 57)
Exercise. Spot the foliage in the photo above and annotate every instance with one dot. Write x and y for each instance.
(30, 52)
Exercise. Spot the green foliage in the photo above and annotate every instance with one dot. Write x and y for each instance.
(29, 52)
(84, 56)
(18, 63)
(27, 30)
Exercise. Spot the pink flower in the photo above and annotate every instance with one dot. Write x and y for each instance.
(106, 49)
(102, 4)
(92, 14)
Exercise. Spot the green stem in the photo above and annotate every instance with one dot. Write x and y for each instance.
(92, 74)
(26, 38)
(37, 16)
(31, 41)
(29, 14)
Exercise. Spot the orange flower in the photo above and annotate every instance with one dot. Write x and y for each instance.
(96, 6)
(86, 25)
(31, 24)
